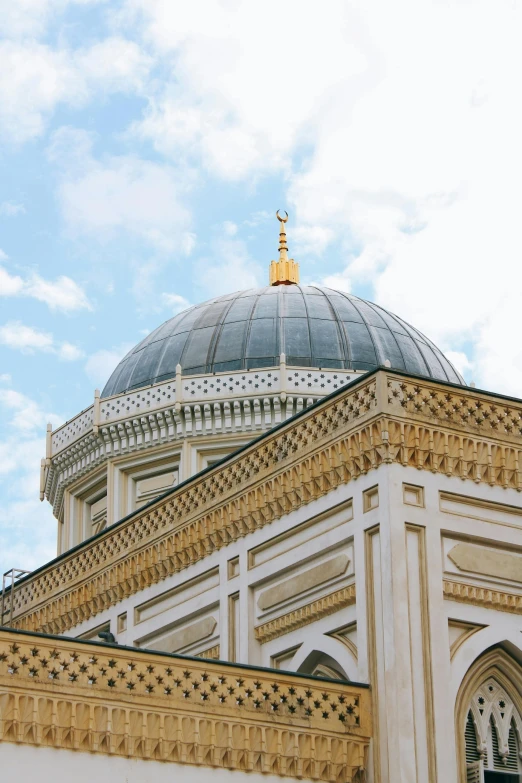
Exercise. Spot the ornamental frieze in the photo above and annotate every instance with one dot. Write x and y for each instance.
(63, 693)
(346, 435)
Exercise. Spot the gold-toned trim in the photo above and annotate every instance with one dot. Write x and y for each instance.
(371, 498)
(211, 654)
(416, 491)
(309, 613)
(384, 419)
(284, 271)
(63, 694)
(233, 626)
(287, 470)
(233, 567)
(482, 596)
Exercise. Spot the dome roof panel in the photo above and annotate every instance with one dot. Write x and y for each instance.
(312, 325)
(241, 309)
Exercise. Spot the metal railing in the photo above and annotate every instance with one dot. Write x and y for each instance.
(14, 574)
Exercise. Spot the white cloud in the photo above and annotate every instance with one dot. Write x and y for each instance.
(23, 544)
(10, 285)
(339, 282)
(409, 118)
(5, 377)
(100, 365)
(30, 18)
(175, 302)
(229, 228)
(24, 18)
(122, 194)
(257, 218)
(461, 363)
(8, 209)
(69, 352)
(228, 267)
(35, 79)
(421, 192)
(126, 194)
(113, 65)
(17, 335)
(61, 294)
(239, 111)
(25, 414)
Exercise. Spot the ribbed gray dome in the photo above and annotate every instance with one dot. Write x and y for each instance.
(313, 326)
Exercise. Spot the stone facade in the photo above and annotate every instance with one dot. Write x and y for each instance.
(375, 538)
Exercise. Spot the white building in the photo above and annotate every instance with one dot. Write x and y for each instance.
(283, 484)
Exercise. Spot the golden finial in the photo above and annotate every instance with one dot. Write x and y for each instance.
(285, 271)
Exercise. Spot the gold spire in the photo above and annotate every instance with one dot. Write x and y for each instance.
(285, 271)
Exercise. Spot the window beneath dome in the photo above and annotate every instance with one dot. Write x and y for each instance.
(98, 514)
(139, 479)
(204, 456)
(150, 488)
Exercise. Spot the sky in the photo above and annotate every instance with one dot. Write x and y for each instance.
(145, 146)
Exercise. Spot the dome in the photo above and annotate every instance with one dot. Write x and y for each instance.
(312, 325)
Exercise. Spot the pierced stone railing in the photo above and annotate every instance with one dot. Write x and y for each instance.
(187, 390)
(65, 693)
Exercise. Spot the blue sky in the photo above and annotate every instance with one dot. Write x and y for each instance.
(145, 146)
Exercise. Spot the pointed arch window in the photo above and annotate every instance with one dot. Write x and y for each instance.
(493, 737)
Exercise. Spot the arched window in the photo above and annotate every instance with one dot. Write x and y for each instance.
(322, 665)
(493, 736)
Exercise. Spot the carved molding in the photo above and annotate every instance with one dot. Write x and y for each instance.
(287, 470)
(482, 596)
(305, 581)
(66, 694)
(211, 654)
(368, 424)
(309, 613)
(343, 635)
(487, 561)
(465, 630)
(82, 457)
(459, 407)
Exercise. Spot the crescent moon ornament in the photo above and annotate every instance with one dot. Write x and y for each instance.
(282, 219)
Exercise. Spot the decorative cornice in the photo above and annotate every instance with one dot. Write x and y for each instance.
(270, 478)
(309, 613)
(365, 425)
(482, 596)
(457, 407)
(83, 456)
(211, 654)
(241, 401)
(119, 701)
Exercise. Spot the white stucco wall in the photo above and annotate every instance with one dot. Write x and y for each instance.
(48, 765)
